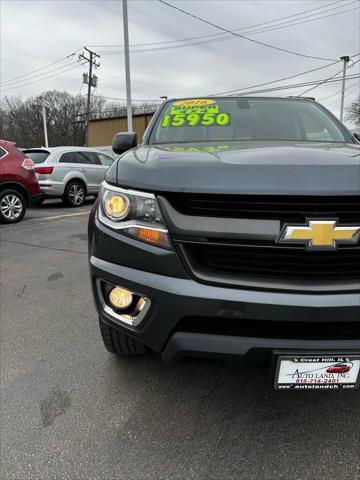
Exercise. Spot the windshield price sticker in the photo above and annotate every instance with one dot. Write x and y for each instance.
(194, 112)
(187, 109)
(318, 373)
(195, 102)
(194, 119)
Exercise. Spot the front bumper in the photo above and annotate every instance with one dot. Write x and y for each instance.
(174, 299)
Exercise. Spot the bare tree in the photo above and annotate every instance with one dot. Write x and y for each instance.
(353, 112)
(21, 120)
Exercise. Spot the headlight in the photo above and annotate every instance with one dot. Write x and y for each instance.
(136, 214)
(116, 206)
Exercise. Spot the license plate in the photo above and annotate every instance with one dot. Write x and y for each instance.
(317, 372)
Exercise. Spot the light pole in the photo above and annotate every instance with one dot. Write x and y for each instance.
(345, 59)
(127, 66)
(45, 126)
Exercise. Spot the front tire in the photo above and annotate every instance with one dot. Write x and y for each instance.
(12, 206)
(75, 193)
(120, 343)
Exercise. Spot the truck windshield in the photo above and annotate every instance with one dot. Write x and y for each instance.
(236, 119)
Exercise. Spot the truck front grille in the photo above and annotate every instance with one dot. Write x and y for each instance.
(228, 262)
(253, 257)
(267, 207)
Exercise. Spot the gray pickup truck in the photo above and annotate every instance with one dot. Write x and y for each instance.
(232, 231)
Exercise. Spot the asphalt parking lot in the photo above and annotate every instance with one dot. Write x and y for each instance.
(71, 410)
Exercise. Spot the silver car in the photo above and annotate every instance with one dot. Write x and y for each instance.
(70, 173)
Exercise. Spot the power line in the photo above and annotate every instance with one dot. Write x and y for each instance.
(353, 88)
(235, 91)
(40, 75)
(64, 69)
(326, 80)
(220, 37)
(13, 80)
(284, 87)
(275, 81)
(297, 85)
(337, 100)
(133, 100)
(45, 78)
(293, 23)
(349, 88)
(203, 42)
(241, 36)
(214, 35)
(290, 23)
(346, 94)
(291, 86)
(320, 83)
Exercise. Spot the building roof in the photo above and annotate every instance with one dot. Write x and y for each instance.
(119, 117)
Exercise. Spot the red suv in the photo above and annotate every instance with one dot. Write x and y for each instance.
(19, 187)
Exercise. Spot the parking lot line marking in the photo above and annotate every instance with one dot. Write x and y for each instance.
(39, 220)
(61, 216)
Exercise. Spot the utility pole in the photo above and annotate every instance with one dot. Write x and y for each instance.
(127, 66)
(91, 81)
(45, 126)
(346, 60)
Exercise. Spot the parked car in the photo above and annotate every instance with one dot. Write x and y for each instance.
(70, 173)
(18, 183)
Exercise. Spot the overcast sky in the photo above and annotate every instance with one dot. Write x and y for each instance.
(35, 33)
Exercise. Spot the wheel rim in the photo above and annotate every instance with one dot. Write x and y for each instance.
(11, 207)
(76, 194)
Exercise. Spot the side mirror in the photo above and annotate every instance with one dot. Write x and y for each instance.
(124, 141)
(357, 136)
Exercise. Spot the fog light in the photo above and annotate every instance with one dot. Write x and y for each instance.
(120, 298)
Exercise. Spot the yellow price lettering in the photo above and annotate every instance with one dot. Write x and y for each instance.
(193, 119)
(223, 119)
(166, 121)
(178, 120)
(208, 119)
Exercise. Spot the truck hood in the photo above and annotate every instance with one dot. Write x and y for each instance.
(261, 167)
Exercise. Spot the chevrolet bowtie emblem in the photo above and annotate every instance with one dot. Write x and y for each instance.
(320, 234)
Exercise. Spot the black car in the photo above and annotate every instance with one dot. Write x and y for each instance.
(233, 230)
